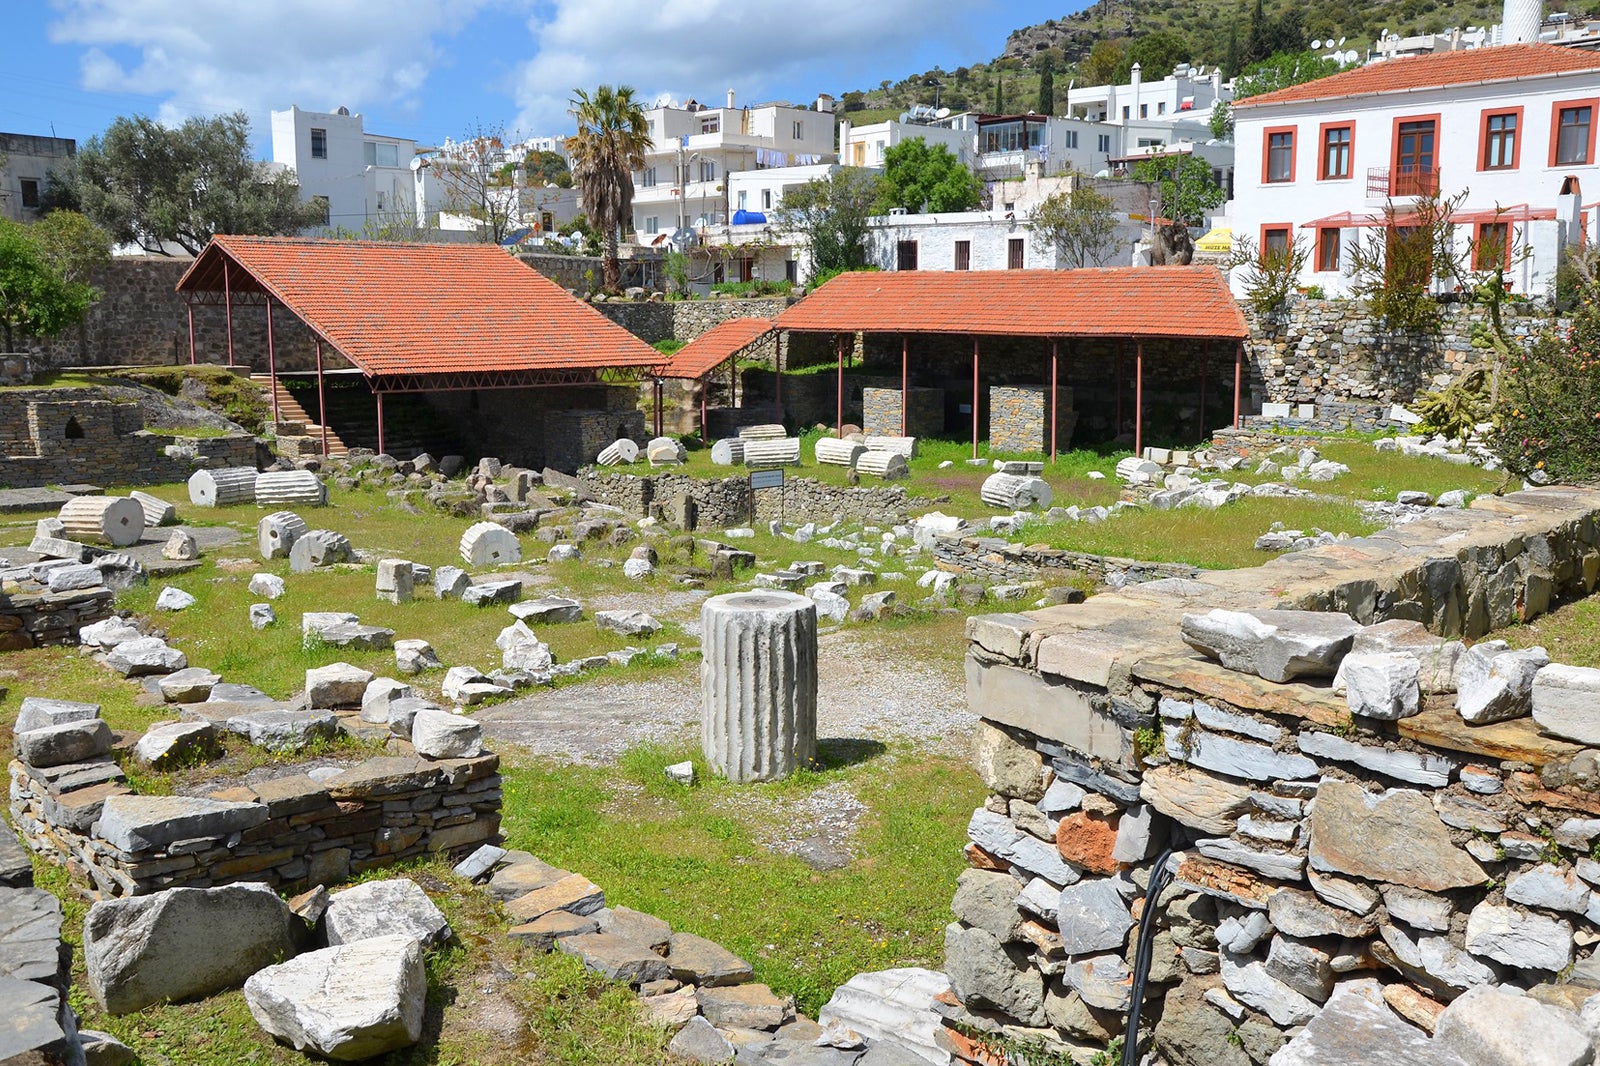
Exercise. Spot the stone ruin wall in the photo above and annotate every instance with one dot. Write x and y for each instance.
(288, 832)
(723, 502)
(1311, 851)
(1001, 561)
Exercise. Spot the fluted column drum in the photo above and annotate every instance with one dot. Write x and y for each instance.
(758, 684)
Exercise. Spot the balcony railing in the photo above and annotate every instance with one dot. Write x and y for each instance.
(1410, 180)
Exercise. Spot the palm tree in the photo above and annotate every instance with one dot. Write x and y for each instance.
(608, 147)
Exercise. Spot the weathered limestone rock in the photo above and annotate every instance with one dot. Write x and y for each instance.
(268, 585)
(284, 731)
(1489, 1026)
(1203, 801)
(637, 926)
(64, 743)
(336, 685)
(988, 900)
(38, 711)
(181, 942)
(415, 656)
(223, 487)
(383, 908)
(1393, 837)
(114, 520)
(107, 634)
(171, 743)
(1357, 1027)
(891, 1008)
(748, 1006)
(192, 684)
(145, 656)
(1006, 766)
(1496, 684)
(279, 487)
(262, 615)
(616, 958)
(1526, 941)
(441, 735)
(1193, 1033)
(699, 1041)
(181, 546)
(157, 512)
(1250, 983)
(277, 532)
(318, 547)
(547, 610)
(449, 582)
(1566, 702)
(1382, 685)
(140, 823)
(345, 1003)
(1276, 645)
(1436, 962)
(1092, 917)
(1549, 887)
(487, 544)
(986, 974)
(1302, 966)
(174, 599)
(378, 695)
(395, 580)
(1237, 758)
(758, 684)
(698, 961)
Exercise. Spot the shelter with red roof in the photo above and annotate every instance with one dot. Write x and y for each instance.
(466, 325)
(1506, 132)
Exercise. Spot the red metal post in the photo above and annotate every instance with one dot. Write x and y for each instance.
(381, 449)
(1205, 368)
(1238, 379)
(322, 402)
(227, 301)
(272, 365)
(1054, 381)
(190, 305)
(1138, 398)
(839, 424)
(905, 393)
(974, 397)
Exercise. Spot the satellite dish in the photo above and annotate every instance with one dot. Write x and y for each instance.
(943, 112)
(1341, 42)
(417, 162)
(1316, 44)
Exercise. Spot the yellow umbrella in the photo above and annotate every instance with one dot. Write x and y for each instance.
(1218, 240)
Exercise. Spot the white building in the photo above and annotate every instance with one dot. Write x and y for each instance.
(359, 177)
(695, 148)
(1511, 126)
(1186, 92)
(25, 165)
(866, 146)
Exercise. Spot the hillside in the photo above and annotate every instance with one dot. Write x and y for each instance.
(1209, 32)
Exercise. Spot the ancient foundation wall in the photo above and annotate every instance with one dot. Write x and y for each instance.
(720, 502)
(1310, 849)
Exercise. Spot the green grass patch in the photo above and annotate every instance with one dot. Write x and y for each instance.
(1376, 475)
(1570, 633)
(694, 856)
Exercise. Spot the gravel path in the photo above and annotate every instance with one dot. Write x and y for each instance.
(869, 689)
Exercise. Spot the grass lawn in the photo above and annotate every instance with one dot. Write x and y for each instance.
(1571, 633)
(1376, 475)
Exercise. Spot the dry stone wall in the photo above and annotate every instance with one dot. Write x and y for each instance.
(997, 559)
(287, 832)
(1329, 873)
(728, 501)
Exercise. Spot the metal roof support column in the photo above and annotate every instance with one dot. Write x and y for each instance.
(905, 393)
(381, 449)
(190, 305)
(322, 402)
(227, 302)
(1205, 369)
(839, 423)
(272, 366)
(1138, 398)
(974, 397)
(1054, 381)
(1238, 378)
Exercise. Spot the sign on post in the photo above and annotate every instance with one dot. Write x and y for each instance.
(767, 479)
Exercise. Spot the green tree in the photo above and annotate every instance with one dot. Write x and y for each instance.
(609, 146)
(1233, 58)
(1156, 53)
(831, 215)
(1047, 92)
(548, 168)
(1080, 226)
(71, 244)
(1281, 70)
(154, 185)
(918, 176)
(1104, 60)
(999, 94)
(1188, 189)
(35, 295)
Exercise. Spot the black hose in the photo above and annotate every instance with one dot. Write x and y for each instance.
(1141, 958)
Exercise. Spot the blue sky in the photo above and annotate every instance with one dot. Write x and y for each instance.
(430, 68)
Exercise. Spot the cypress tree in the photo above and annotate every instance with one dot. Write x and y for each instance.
(1047, 92)
(999, 95)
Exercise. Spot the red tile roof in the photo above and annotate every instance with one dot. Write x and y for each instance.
(1471, 67)
(715, 346)
(1185, 302)
(394, 308)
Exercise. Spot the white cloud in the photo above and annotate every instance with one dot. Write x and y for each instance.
(700, 48)
(206, 56)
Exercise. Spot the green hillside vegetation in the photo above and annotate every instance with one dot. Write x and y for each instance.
(1099, 44)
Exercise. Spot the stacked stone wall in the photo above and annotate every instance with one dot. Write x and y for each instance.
(728, 501)
(1319, 860)
(1019, 418)
(288, 832)
(999, 560)
(880, 412)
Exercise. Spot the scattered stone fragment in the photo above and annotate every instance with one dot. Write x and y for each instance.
(681, 773)
(627, 623)
(144, 657)
(1382, 685)
(192, 684)
(381, 908)
(181, 546)
(348, 1002)
(336, 685)
(415, 656)
(168, 744)
(284, 731)
(449, 582)
(1496, 684)
(268, 585)
(262, 615)
(394, 580)
(1276, 645)
(698, 961)
(441, 735)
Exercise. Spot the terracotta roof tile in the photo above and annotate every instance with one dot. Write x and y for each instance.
(715, 346)
(394, 308)
(1111, 302)
(1473, 66)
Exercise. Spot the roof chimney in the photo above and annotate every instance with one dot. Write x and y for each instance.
(1520, 20)
(730, 99)
(1135, 80)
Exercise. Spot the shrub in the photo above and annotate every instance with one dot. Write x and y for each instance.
(1547, 417)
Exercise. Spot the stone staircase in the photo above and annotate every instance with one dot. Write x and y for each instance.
(297, 434)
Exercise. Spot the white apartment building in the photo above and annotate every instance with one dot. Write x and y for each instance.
(1188, 91)
(25, 164)
(358, 176)
(866, 146)
(695, 148)
(1512, 127)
